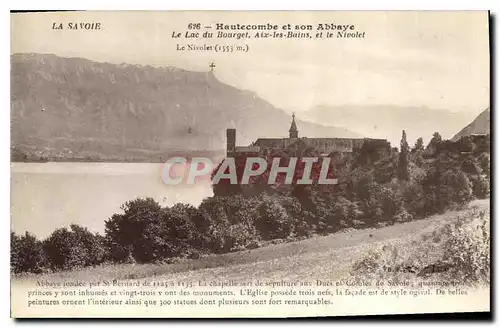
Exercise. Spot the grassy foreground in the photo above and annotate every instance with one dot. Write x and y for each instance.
(321, 257)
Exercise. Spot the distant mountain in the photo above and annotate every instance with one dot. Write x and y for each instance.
(387, 121)
(74, 107)
(480, 125)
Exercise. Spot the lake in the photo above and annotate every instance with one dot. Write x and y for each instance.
(47, 196)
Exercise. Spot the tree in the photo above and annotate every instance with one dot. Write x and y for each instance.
(231, 220)
(454, 189)
(74, 248)
(273, 221)
(417, 152)
(419, 145)
(92, 243)
(172, 233)
(403, 171)
(480, 186)
(414, 197)
(125, 232)
(26, 254)
(64, 251)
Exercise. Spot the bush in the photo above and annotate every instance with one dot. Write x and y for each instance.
(480, 186)
(454, 189)
(396, 261)
(76, 248)
(304, 226)
(470, 166)
(457, 252)
(403, 216)
(467, 248)
(171, 232)
(180, 230)
(233, 209)
(448, 190)
(63, 251)
(366, 187)
(219, 239)
(94, 244)
(320, 216)
(414, 199)
(231, 222)
(26, 254)
(241, 236)
(384, 202)
(273, 221)
(125, 233)
(484, 163)
(345, 211)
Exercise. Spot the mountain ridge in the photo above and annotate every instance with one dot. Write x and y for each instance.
(75, 107)
(480, 125)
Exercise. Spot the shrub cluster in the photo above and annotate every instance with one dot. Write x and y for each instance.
(458, 252)
(63, 250)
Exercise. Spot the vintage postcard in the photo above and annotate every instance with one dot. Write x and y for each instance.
(216, 164)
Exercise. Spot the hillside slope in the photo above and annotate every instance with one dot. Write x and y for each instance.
(78, 105)
(480, 125)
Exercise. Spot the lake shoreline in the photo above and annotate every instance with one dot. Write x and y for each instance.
(50, 195)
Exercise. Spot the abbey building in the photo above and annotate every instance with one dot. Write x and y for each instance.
(298, 146)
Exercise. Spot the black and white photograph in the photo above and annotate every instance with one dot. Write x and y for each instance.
(249, 164)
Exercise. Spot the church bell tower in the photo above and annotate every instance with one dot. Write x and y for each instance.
(294, 133)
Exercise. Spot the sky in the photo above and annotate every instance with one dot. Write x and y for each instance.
(434, 59)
